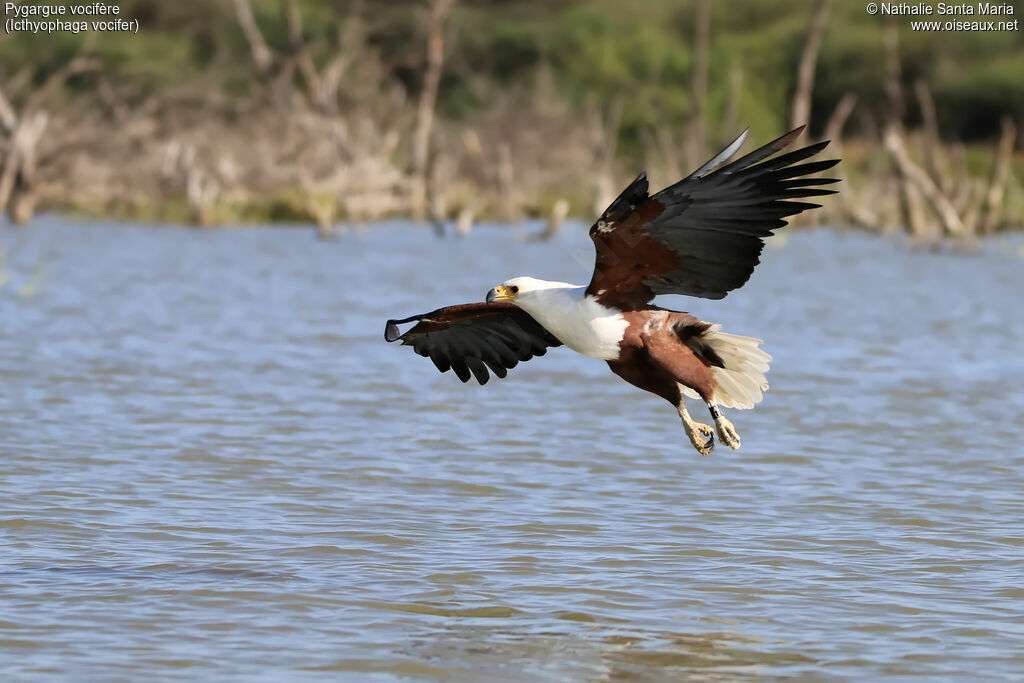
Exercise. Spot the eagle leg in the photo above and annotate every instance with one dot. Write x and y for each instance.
(702, 436)
(727, 433)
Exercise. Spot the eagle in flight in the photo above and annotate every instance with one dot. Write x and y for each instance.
(701, 237)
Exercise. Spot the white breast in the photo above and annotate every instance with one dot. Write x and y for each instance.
(579, 321)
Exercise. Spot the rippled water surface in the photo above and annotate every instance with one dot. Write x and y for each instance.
(212, 466)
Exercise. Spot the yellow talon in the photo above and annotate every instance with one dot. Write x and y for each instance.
(727, 433)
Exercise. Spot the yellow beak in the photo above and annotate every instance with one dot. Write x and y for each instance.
(500, 293)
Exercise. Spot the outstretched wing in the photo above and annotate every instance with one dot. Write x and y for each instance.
(702, 236)
(470, 338)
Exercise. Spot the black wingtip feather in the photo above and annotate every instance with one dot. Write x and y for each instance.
(471, 339)
(806, 182)
(722, 157)
(798, 192)
(797, 207)
(771, 148)
(712, 223)
(790, 158)
(629, 198)
(461, 371)
(798, 170)
(479, 370)
(763, 152)
(391, 331)
(440, 363)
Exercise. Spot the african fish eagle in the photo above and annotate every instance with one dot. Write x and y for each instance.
(701, 237)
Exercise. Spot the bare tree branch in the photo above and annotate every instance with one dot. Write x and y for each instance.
(732, 106)
(837, 121)
(801, 113)
(1000, 171)
(932, 143)
(8, 117)
(262, 57)
(350, 42)
(922, 182)
(56, 79)
(846, 208)
(20, 163)
(893, 73)
(697, 139)
(437, 11)
(303, 58)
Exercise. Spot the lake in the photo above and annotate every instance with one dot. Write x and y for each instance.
(213, 467)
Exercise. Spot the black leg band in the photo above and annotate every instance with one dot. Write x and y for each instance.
(714, 411)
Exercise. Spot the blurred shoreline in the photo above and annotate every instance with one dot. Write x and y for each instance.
(350, 113)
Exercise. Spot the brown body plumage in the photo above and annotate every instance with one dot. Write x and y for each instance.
(663, 349)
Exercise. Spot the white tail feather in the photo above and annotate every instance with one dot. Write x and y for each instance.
(741, 383)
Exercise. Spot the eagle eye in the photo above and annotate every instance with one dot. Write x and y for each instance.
(515, 289)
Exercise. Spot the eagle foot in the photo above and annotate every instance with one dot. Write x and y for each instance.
(702, 437)
(727, 433)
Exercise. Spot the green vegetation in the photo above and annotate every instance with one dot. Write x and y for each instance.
(597, 49)
(589, 55)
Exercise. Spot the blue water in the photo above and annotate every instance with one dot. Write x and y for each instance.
(213, 467)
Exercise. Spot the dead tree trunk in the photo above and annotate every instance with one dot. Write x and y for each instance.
(697, 139)
(351, 41)
(837, 121)
(932, 144)
(437, 11)
(275, 70)
(8, 116)
(508, 201)
(262, 57)
(914, 218)
(559, 211)
(1000, 171)
(18, 182)
(18, 175)
(893, 74)
(920, 181)
(801, 113)
(845, 210)
(606, 137)
(732, 107)
(304, 60)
